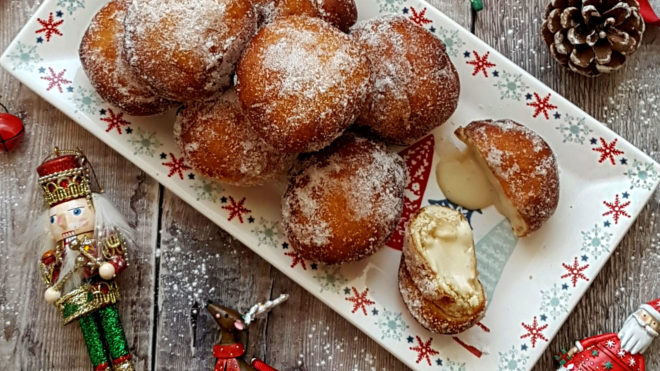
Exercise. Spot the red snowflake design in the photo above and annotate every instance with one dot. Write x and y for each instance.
(616, 209)
(607, 151)
(55, 79)
(534, 332)
(176, 166)
(575, 271)
(116, 122)
(542, 106)
(424, 350)
(296, 259)
(360, 300)
(480, 63)
(419, 18)
(236, 209)
(49, 27)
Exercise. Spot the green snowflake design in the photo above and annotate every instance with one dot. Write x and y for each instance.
(331, 279)
(574, 129)
(24, 57)
(70, 5)
(450, 365)
(86, 100)
(595, 241)
(390, 324)
(642, 175)
(144, 143)
(268, 233)
(389, 6)
(510, 86)
(207, 189)
(554, 301)
(512, 360)
(452, 41)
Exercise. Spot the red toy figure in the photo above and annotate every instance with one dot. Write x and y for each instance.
(230, 349)
(83, 239)
(617, 352)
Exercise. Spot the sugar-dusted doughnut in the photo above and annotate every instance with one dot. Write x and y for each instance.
(187, 49)
(438, 277)
(339, 13)
(346, 202)
(521, 167)
(216, 140)
(301, 83)
(102, 56)
(416, 87)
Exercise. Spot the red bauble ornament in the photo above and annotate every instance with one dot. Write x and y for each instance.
(11, 130)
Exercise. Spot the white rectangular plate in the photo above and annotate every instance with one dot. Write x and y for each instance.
(532, 283)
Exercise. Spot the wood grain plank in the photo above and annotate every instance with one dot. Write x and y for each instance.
(624, 101)
(32, 336)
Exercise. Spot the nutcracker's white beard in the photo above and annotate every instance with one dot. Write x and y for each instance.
(635, 335)
(68, 265)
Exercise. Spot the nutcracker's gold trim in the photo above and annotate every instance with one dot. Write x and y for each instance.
(77, 186)
(124, 366)
(86, 299)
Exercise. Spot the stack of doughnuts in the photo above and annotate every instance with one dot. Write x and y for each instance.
(272, 88)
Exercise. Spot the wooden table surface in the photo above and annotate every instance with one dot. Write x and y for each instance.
(183, 257)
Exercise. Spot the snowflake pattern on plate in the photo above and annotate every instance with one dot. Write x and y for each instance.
(144, 143)
(642, 175)
(70, 5)
(573, 129)
(512, 360)
(450, 365)
(510, 86)
(389, 6)
(331, 279)
(553, 301)
(86, 100)
(24, 57)
(595, 241)
(453, 42)
(268, 232)
(207, 189)
(390, 324)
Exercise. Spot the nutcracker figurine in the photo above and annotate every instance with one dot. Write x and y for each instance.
(616, 352)
(230, 348)
(85, 248)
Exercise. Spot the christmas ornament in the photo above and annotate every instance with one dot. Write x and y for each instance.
(592, 36)
(230, 349)
(648, 13)
(84, 240)
(11, 129)
(616, 352)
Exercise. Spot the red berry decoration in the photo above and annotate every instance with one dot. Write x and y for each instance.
(11, 130)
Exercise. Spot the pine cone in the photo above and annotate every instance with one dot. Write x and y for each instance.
(592, 36)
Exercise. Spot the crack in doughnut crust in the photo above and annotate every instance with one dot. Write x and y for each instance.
(104, 61)
(345, 201)
(301, 83)
(415, 85)
(187, 49)
(523, 164)
(216, 140)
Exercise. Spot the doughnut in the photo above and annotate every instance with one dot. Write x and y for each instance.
(301, 83)
(438, 277)
(102, 56)
(216, 140)
(415, 85)
(345, 202)
(274, 9)
(339, 13)
(521, 167)
(187, 50)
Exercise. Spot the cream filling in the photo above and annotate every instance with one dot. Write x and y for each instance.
(444, 238)
(466, 180)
